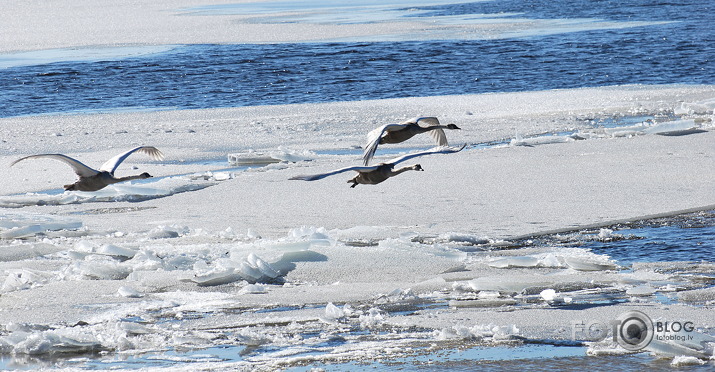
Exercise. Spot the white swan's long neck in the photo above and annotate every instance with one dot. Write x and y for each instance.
(130, 178)
(404, 169)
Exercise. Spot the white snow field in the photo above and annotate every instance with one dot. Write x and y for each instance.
(211, 253)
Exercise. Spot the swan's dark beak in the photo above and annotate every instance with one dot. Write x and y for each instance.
(418, 167)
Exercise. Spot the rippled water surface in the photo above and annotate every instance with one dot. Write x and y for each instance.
(685, 237)
(676, 44)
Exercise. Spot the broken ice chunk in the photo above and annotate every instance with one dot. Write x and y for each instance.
(253, 289)
(521, 261)
(582, 264)
(332, 313)
(675, 128)
(216, 278)
(252, 157)
(129, 292)
(264, 267)
(540, 140)
(548, 295)
(116, 251)
(641, 290)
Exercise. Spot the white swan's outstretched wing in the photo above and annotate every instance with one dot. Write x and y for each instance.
(79, 168)
(320, 176)
(430, 121)
(423, 121)
(112, 164)
(439, 137)
(435, 150)
(373, 139)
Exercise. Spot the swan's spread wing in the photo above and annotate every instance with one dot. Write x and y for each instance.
(79, 168)
(439, 137)
(112, 164)
(320, 176)
(435, 150)
(425, 121)
(373, 139)
(430, 121)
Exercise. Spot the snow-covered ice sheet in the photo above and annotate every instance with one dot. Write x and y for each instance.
(288, 274)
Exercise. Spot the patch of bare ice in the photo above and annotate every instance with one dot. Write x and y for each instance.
(281, 154)
(489, 332)
(22, 225)
(127, 191)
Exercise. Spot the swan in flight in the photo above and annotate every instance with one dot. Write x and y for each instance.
(396, 133)
(372, 175)
(93, 180)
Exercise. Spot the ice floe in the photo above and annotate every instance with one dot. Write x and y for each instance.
(253, 157)
(333, 314)
(641, 290)
(574, 258)
(17, 225)
(704, 107)
(127, 191)
(667, 128)
(479, 332)
(19, 279)
(683, 360)
(129, 292)
(540, 140)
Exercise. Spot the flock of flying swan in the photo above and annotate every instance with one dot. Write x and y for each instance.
(392, 133)
(93, 180)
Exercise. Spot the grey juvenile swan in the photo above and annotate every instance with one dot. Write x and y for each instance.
(372, 175)
(396, 133)
(93, 180)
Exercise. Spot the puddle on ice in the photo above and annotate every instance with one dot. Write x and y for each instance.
(523, 358)
(466, 359)
(493, 358)
(164, 359)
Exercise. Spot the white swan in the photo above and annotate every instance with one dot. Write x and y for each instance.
(372, 175)
(93, 180)
(396, 133)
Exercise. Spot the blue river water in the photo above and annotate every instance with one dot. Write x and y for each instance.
(686, 237)
(679, 50)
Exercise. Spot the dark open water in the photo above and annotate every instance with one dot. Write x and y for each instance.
(208, 76)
